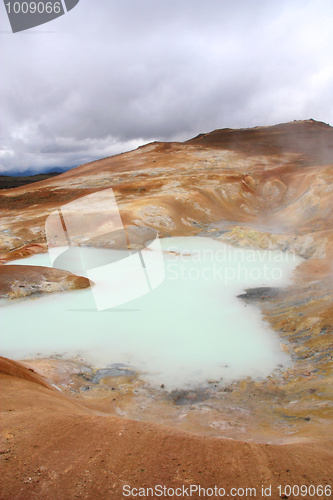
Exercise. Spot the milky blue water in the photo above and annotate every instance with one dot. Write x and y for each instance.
(174, 316)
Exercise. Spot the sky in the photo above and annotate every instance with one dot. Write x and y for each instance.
(111, 75)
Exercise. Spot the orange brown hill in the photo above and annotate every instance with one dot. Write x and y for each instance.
(53, 447)
(22, 281)
(277, 177)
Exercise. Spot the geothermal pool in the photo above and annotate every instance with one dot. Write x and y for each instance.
(170, 312)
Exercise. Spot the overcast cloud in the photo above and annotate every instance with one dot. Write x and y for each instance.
(114, 74)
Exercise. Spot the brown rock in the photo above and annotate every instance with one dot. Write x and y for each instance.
(18, 281)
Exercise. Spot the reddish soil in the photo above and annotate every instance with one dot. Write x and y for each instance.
(53, 447)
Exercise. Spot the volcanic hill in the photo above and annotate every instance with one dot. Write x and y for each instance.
(265, 187)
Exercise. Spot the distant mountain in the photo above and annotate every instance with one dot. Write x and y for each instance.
(9, 181)
(16, 178)
(58, 170)
(33, 172)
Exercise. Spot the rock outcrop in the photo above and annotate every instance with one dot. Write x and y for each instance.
(22, 281)
(267, 187)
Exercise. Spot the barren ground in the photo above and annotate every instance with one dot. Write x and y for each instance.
(268, 187)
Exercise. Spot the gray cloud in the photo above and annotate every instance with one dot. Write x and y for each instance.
(109, 76)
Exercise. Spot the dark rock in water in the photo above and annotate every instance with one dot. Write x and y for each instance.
(260, 293)
(86, 376)
(188, 397)
(115, 370)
